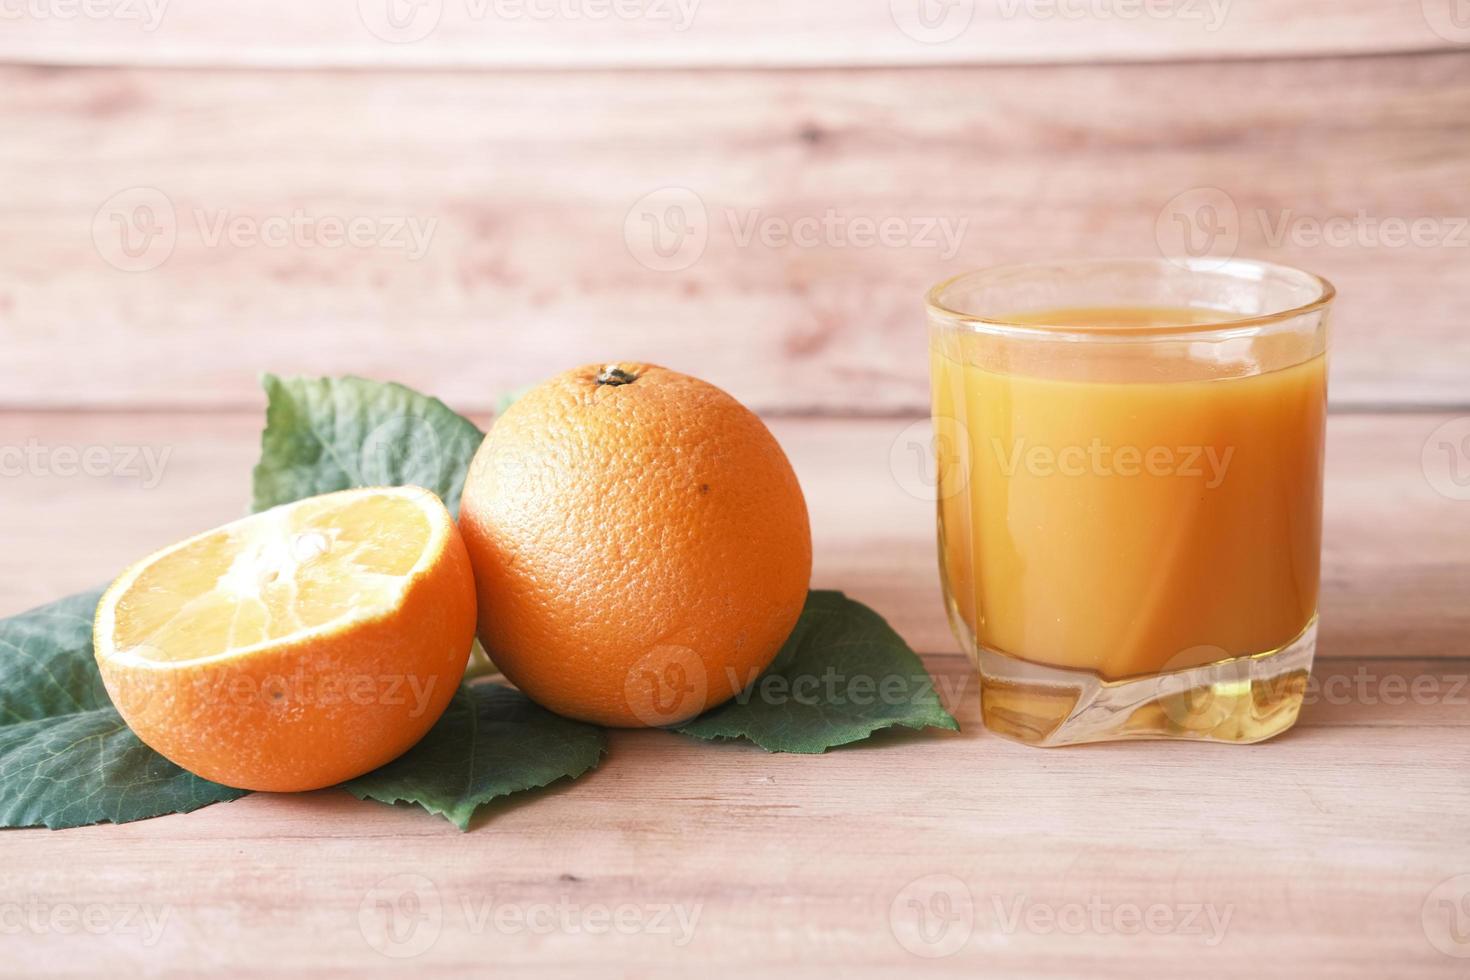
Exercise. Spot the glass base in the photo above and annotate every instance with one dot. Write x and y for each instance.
(1244, 699)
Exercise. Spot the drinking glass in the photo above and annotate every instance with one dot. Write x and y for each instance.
(1130, 459)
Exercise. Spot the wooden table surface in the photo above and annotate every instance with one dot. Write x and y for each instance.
(1318, 853)
(534, 147)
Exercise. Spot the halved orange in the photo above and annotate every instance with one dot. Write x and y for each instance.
(297, 647)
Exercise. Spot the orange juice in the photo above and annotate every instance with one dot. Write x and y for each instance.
(1129, 493)
(1116, 518)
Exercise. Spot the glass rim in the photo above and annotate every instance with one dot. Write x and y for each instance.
(1241, 325)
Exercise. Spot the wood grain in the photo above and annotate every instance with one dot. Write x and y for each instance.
(1394, 571)
(704, 33)
(530, 180)
(1315, 854)
(1322, 853)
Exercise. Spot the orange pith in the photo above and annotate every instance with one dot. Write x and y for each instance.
(640, 543)
(295, 648)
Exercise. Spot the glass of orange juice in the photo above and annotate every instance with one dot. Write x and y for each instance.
(1130, 493)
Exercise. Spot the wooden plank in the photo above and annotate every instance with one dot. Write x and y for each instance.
(1314, 854)
(530, 183)
(1394, 571)
(703, 33)
(1324, 851)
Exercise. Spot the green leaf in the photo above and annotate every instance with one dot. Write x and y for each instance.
(841, 676)
(491, 741)
(508, 399)
(66, 757)
(325, 434)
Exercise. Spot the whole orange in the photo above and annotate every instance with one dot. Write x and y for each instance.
(640, 544)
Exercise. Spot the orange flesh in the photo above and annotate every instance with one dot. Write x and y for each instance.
(271, 576)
